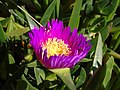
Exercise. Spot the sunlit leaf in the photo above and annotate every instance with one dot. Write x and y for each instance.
(32, 64)
(28, 57)
(64, 74)
(98, 53)
(11, 59)
(18, 32)
(51, 77)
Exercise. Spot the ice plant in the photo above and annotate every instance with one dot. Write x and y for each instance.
(56, 47)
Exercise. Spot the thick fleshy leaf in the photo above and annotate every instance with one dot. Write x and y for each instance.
(109, 68)
(73, 70)
(2, 34)
(39, 73)
(18, 32)
(32, 64)
(51, 77)
(115, 83)
(48, 13)
(86, 60)
(75, 16)
(58, 8)
(110, 9)
(64, 74)
(112, 53)
(98, 53)
(95, 81)
(11, 59)
(26, 83)
(30, 21)
(81, 78)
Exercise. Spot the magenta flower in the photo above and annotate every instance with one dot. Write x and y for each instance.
(56, 47)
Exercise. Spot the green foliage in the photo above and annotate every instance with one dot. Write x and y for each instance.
(98, 20)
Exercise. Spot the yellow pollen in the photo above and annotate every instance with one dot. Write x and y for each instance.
(56, 46)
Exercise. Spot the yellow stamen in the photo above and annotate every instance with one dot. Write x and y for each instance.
(56, 46)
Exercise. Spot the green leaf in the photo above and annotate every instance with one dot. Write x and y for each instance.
(117, 43)
(29, 57)
(27, 84)
(18, 32)
(38, 74)
(51, 77)
(48, 13)
(116, 21)
(73, 70)
(32, 64)
(64, 74)
(115, 85)
(18, 15)
(75, 16)
(86, 60)
(58, 8)
(11, 59)
(37, 4)
(115, 29)
(10, 24)
(81, 78)
(102, 4)
(2, 34)
(4, 21)
(110, 9)
(101, 77)
(105, 33)
(89, 6)
(30, 21)
(116, 68)
(109, 68)
(98, 53)
(46, 2)
(97, 24)
(26, 71)
(112, 53)
(95, 81)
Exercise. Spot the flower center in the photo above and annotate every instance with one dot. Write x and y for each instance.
(56, 46)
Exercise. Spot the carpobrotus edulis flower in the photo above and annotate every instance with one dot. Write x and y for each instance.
(56, 47)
